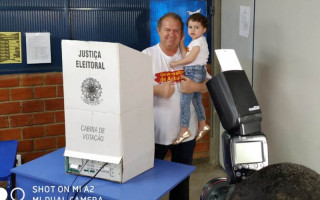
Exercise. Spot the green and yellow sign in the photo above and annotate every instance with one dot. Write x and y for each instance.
(10, 47)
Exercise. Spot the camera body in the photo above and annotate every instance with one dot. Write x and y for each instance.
(245, 148)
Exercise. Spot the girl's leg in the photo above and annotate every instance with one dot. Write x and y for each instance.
(203, 128)
(198, 106)
(185, 101)
(184, 132)
(201, 125)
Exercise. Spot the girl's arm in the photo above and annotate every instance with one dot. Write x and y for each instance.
(188, 59)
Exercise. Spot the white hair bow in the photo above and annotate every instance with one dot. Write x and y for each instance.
(197, 11)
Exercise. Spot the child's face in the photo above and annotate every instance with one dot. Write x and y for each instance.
(195, 29)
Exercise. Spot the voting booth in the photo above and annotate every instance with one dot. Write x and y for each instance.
(108, 100)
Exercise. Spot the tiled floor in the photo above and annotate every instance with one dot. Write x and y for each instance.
(199, 178)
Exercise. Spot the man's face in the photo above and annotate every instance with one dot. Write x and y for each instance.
(170, 33)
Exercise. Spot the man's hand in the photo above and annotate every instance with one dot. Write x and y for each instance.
(164, 90)
(173, 64)
(189, 86)
(182, 36)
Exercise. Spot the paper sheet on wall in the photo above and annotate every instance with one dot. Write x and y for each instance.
(228, 59)
(38, 48)
(244, 26)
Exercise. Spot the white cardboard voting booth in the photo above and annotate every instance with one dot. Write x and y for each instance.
(108, 100)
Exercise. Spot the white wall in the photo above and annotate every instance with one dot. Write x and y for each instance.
(230, 38)
(286, 78)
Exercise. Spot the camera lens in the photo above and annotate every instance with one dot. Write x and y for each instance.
(216, 189)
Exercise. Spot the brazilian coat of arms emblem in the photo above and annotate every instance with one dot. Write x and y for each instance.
(91, 91)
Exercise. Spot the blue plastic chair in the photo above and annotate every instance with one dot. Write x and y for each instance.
(8, 151)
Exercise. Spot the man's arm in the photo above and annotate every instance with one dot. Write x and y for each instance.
(183, 48)
(189, 86)
(164, 90)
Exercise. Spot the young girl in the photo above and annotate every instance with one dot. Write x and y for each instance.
(195, 58)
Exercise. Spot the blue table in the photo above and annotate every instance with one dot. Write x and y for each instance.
(45, 179)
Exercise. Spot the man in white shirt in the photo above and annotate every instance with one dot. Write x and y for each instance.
(168, 84)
